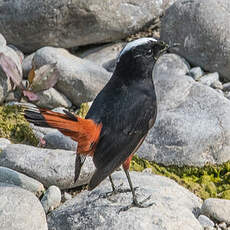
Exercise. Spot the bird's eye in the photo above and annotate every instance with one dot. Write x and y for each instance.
(150, 52)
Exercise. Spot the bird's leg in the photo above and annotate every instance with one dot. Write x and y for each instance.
(135, 202)
(115, 190)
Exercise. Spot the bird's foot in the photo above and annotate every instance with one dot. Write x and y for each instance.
(137, 204)
(116, 191)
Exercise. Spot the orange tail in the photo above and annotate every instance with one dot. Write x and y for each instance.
(85, 131)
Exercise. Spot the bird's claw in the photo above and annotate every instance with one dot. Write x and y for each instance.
(116, 191)
(137, 204)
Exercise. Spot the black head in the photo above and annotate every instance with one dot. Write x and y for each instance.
(139, 56)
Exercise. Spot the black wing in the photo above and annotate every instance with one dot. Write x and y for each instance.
(126, 114)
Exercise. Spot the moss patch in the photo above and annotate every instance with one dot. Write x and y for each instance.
(205, 182)
(14, 127)
(84, 108)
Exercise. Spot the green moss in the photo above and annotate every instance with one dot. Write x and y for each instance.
(207, 181)
(84, 108)
(14, 127)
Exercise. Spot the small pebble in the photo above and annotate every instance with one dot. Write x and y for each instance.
(208, 79)
(217, 85)
(67, 196)
(205, 221)
(226, 86)
(196, 73)
(51, 198)
(223, 226)
(227, 95)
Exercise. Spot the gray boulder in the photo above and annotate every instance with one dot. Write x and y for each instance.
(104, 55)
(51, 98)
(74, 23)
(56, 140)
(10, 176)
(202, 29)
(173, 208)
(80, 80)
(20, 210)
(217, 209)
(50, 167)
(193, 123)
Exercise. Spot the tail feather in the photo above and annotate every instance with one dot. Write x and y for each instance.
(85, 131)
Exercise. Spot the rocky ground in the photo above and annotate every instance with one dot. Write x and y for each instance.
(189, 143)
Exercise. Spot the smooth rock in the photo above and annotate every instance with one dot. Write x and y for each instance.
(51, 98)
(20, 210)
(51, 198)
(193, 123)
(4, 143)
(217, 209)
(74, 23)
(209, 79)
(172, 208)
(10, 176)
(217, 85)
(202, 29)
(80, 81)
(196, 73)
(226, 86)
(67, 196)
(50, 167)
(205, 221)
(103, 54)
(222, 225)
(56, 140)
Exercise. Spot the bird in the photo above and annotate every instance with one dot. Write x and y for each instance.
(119, 118)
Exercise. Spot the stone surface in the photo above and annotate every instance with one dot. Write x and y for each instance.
(173, 207)
(72, 23)
(56, 140)
(51, 198)
(209, 79)
(196, 73)
(193, 123)
(217, 85)
(103, 54)
(10, 176)
(50, 167)
(205, 221)
(226, 86)
(51, 98)
(80, 80)
(4, 143)
(20, 210)
(202, 29)
(217, 209)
